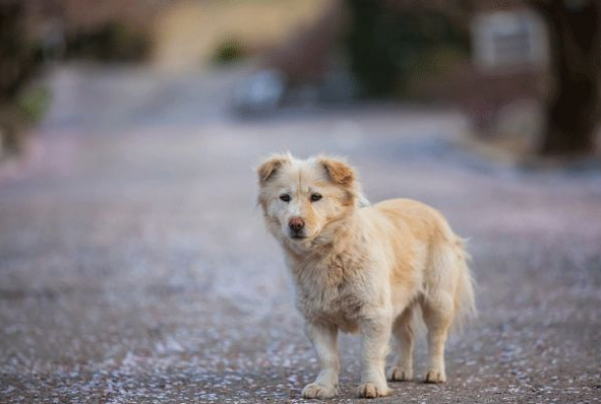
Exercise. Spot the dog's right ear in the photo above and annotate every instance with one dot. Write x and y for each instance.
(270, 166)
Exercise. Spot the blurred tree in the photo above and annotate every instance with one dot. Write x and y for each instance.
(19, 61)
(17, 56)
(229, 51)
(388, 40)
(32, 30)
(572, 111)
(387, 36)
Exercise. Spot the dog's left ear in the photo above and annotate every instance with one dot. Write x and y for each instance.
(338, 171)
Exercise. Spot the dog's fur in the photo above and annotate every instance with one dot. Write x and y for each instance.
(364, 268)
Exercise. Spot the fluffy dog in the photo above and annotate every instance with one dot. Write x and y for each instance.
(366, 268)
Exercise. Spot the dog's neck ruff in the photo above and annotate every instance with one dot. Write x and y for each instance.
(342, 230)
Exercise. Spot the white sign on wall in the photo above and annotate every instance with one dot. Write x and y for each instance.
(509, 41)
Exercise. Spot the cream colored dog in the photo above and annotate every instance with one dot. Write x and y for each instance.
(364, 268)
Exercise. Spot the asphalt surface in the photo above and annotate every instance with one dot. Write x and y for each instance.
(134, 265)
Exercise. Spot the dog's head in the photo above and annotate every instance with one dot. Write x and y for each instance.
(303, 199)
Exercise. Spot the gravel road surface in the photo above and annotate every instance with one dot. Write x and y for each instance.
(134, 265)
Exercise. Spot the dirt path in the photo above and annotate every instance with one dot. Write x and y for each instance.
(134, 266)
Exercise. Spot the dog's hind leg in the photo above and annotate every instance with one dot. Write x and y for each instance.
(439, 306)
(402, 367)
(448, 300)
(438, 316)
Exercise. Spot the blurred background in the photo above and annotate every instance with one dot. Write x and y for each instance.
(524, 73)
(134, 265)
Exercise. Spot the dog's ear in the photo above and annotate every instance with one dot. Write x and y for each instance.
(269, 167)
(338, 171)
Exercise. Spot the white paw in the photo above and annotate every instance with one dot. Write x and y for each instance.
(398, 374)
(371, 390)
(314, 390)
(435, 376)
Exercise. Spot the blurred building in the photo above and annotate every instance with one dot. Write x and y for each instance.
(509, 41)
(190, 34)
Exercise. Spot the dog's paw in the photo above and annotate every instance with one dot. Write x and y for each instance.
(435, 376)
(397, 374)
(314, 390)
(371, 390)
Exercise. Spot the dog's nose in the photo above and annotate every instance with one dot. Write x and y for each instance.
(296, 224)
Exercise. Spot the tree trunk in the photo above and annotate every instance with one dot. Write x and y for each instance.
(572, 112)
(16, 61)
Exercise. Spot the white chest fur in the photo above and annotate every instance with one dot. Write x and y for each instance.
(332, 289)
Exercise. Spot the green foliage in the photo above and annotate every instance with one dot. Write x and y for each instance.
(111, 42)
(229, 51)
(34, 102)
(388, 46)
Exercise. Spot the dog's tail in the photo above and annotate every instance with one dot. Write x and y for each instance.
(465, 302)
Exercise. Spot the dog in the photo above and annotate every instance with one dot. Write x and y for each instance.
(364, 268)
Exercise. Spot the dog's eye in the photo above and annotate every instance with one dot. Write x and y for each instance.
(315, 197)
(285, 197)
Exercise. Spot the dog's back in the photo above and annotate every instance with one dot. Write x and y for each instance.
(445, 255)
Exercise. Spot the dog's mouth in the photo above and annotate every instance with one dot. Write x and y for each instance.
(298, 236)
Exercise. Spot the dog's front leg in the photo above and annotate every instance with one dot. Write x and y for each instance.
(375, 334)
(325, 342)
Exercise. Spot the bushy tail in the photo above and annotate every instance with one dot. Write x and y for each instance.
(465, 298)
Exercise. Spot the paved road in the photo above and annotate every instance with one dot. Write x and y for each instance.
(134, 266)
